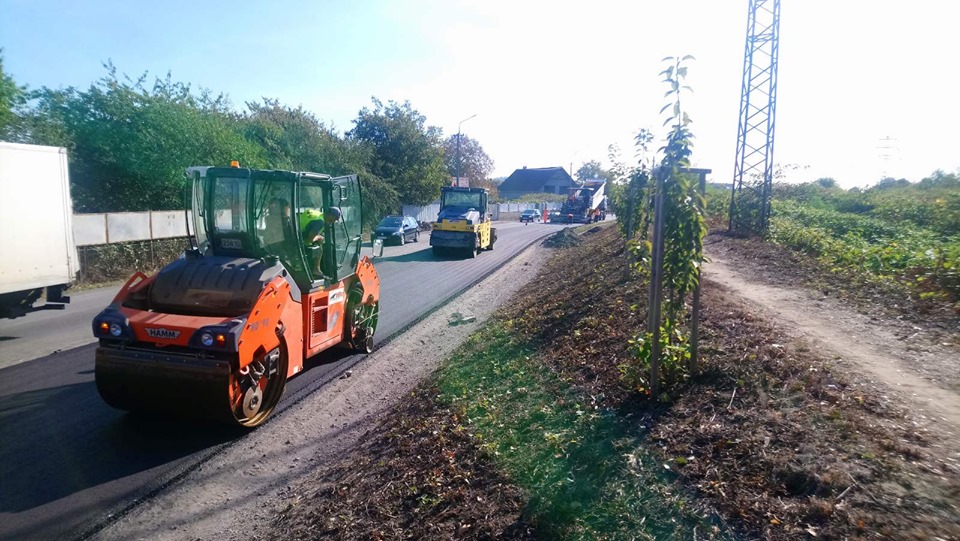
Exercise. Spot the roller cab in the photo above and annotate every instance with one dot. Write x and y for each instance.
(272, 278)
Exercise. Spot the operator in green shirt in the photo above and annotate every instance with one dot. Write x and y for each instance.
(311, 227)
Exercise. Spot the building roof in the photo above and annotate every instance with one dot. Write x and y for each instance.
(534, 178)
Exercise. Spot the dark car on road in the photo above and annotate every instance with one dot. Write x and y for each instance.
(530, 215)
(397, 230)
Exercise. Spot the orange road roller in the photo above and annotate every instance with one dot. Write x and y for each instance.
(273, 276)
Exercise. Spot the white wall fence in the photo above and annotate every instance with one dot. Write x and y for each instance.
(426, 213)
(110, 227)
(511, 211)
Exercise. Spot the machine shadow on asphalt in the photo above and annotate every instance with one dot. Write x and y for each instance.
(325, 358)
(104, 444)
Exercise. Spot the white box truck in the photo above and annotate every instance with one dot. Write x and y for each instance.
(37, 251)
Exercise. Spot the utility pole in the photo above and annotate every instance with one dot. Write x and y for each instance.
(887, 149)
(458, 146)
(753, 169)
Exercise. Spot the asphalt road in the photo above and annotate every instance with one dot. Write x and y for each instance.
(49, 332)
(69, 462)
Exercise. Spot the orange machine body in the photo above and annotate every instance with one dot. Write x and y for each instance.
(162, 350)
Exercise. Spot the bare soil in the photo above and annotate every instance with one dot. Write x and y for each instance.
(907, 349)
(880, 415)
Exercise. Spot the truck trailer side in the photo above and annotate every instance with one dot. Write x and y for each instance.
(36, 228)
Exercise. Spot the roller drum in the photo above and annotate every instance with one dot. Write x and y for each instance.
(169, 384)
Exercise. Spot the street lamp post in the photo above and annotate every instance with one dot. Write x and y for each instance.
(458, 146)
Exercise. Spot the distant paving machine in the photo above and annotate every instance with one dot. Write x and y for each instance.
(462, 224)
(583, 202)
(216, 333)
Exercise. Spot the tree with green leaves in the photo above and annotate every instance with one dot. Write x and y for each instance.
(630, 195)
(12, 100)
(675, 266)
(685, 224)
(402, 150)
(129, 142)
(475, 164)
(827, 182)
(591, 170)
(293, 138)
(890, 182)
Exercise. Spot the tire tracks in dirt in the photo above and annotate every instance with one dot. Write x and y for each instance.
(860, 343)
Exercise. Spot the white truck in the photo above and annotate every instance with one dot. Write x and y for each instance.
(37, 250)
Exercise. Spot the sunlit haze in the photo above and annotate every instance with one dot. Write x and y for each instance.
(866, 88)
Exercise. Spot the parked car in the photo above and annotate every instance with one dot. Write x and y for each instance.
(530, 215)
(397, 230)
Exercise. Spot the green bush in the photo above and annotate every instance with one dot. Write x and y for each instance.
(118, 261)
(933, 203)
(923, 258)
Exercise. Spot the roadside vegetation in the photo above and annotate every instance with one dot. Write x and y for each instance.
(578, 462)
(908, 232)
(897, 233)
(107, 263)
(555, 403)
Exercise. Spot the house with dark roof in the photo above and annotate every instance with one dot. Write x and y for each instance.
(536, 180)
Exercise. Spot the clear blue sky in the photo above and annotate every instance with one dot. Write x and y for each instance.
(551, 82)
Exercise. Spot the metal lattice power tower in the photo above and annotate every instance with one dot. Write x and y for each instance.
(753, 170)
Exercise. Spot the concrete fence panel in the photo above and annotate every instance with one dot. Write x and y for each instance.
(92, 229)
(426, 213)
(89, 229)
(168, 223)
(128, 226)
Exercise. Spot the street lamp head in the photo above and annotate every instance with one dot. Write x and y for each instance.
(464, 120)
(458, 145)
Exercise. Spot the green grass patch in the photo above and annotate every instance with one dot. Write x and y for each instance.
(584, 470)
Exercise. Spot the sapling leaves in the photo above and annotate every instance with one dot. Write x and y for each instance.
(684, 226)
